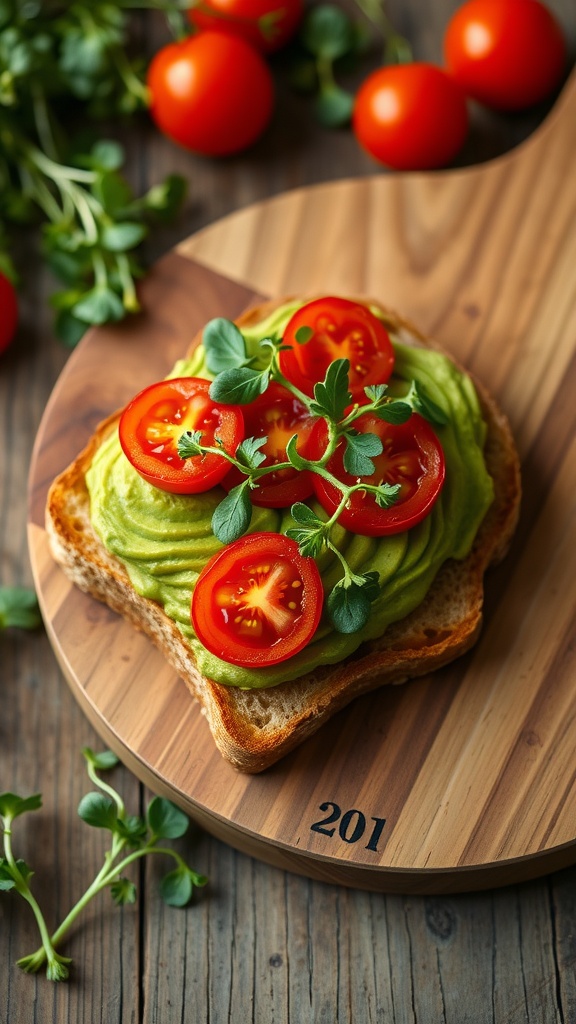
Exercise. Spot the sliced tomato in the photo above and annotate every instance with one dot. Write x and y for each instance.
(258, 601)
(412, 456)
(277, 415)
(154, 420)
(341, 329)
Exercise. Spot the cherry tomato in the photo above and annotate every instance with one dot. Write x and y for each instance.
(507, 54)
(342, 329)
(266, 24)
(212, 93)
(410, 116)
(277, 415)
(153, 421)
(8, 312)
(258, 601)
(412, 457)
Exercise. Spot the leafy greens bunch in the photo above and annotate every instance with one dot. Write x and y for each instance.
(61, 64)
(132, 837)
(238, 381)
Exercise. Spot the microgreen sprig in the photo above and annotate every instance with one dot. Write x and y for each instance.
(133, 837)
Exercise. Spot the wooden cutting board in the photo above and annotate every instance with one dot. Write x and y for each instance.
(463, 779)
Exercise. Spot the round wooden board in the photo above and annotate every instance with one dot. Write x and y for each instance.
(464, 779)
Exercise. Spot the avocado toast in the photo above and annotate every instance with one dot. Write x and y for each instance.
(258, 715)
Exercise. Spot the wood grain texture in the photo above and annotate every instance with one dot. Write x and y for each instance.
(472, 768)
(261, 944)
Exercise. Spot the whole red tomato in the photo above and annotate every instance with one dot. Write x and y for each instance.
(410, 116)
(267, 24)
(212, 93)
(508, 54)
(8, 312)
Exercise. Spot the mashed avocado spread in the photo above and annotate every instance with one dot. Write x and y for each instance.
(164, 540)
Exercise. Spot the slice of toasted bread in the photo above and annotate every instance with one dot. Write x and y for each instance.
(255, 728)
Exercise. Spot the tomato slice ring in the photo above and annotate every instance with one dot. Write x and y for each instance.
(258, 601)
(277, 415)
(153, 421)
(342, 329)
(412, 457)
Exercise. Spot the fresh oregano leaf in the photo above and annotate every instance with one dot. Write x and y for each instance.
(375, 392)
(310, 531)
(239, 386)
(348, 606)
(395, 412)
(189, 444)
(224, 344)
(333, 393)
(165, 820)
(248, 452)
(387, 495)
(359, 451)
(231, 518)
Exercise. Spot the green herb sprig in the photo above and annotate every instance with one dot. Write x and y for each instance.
(133, 837)
(63, 65)
(239, 379)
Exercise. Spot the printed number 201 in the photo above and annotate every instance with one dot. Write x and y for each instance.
(351, 827)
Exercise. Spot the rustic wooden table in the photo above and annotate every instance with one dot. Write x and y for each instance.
(258, 943)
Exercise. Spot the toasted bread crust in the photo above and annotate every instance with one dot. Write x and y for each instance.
(255, 728)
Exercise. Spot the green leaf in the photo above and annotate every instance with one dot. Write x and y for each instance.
(349, 603)
(387, 495)
(359, 451)
(333, 394)
(375, 392)
(248, 452)
(114, 192)
(165, 820)
(239, 386)
(189, 444)
(122, 237)
(7, 880)
(395, 412)
(103, 761)
(224, 344)
(19, 607)
(327, 32)
(12, 805)
(233, 515)
(107, 155)
(176, 887)
(132, 828)
(334, 106)
(98, 306)
(123, 891)
(99, 811)
(310, 532)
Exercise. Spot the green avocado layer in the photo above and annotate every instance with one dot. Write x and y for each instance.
(164, 540)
